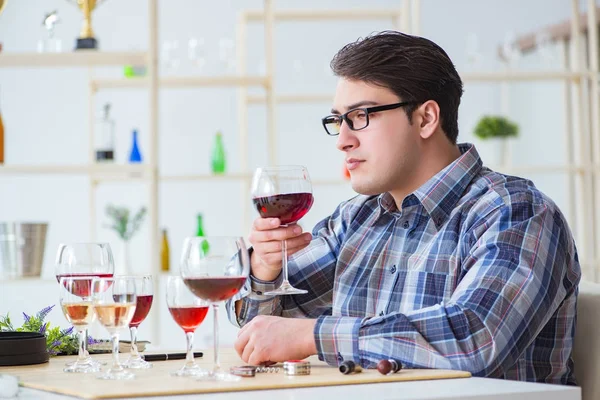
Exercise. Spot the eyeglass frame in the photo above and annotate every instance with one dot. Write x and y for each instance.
(366, 110)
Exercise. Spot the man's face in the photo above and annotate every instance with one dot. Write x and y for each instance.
(381, 157)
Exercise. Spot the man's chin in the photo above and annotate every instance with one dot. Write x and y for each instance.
(364, 189)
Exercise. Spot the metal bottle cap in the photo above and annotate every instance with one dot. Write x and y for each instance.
(296, 367)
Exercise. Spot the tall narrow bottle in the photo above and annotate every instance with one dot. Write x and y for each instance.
(164, 252)
(200, 232)
(105, 137)
(1, 139)
(219, 162)
(135, 156)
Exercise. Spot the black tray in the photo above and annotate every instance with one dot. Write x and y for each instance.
(21, 348)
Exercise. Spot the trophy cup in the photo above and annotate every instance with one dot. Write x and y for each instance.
(50, 44)
(86, 39)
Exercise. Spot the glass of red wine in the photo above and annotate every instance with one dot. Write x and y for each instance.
(215, 269)
(283, 192)
(79, 311)
(114, 301)
(188, 311)
(86, 261)
(144, 291)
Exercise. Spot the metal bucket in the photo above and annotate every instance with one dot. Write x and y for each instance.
(22, 247)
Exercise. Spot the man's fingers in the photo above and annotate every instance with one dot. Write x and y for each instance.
(261, 224)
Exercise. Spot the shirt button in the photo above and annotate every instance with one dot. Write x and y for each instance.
(393, 269)
(339, 357)
(405, 225)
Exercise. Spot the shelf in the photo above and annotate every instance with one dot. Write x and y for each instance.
(329, 15)
(98, 171)
(206, 177)
(182, 82)
(81, 58)
(294, 98)
(523, 76)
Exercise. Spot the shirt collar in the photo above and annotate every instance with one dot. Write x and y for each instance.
(440, 194)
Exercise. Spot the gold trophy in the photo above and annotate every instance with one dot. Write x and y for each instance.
(86, 39)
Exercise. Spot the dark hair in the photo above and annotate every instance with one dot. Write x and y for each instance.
(414, 68)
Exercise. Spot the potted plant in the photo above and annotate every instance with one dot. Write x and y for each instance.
(125, 226)
(498, 128)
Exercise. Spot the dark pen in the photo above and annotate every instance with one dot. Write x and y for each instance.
(171, 356)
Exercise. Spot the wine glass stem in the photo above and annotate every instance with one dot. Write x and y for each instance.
(217, 363)
(81, 354)
(85, 342)
(134, 348)
(189, 355)
(284, 261)
(116, 367)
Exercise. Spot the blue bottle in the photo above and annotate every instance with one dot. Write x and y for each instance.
(135, 156)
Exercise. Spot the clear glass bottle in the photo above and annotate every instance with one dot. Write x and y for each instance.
(105, 137)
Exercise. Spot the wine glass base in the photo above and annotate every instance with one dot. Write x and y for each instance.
(193, 370)
(286, 289)
(219, 377)
(120, 375)
(137, 362)
(82, 367)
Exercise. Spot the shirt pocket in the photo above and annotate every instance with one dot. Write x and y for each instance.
(422, 289)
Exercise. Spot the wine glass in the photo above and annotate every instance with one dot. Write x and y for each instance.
(188, 311)
(114, 301)
(80, 313)
(84, 260)
(144, 295)
(283, 192)
(215, 269)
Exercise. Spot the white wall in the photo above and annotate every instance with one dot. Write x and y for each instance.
(45, 114)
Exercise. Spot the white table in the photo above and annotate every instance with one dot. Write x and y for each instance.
(445, 389)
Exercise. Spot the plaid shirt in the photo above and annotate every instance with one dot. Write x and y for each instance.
(478, 272)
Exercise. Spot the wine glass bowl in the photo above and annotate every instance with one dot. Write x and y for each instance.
(283, 192)
(114, 301)
(215, 269)
(79, 311)
(188, 311)
(144, 295)
(85, 261)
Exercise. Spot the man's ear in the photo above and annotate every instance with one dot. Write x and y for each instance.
(429, 113)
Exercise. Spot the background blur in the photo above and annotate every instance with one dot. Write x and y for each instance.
(46, 114)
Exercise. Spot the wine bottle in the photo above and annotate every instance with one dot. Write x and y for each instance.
(135, 156)
(164, 252)
(218, 155)
(1, 139)
(105, 137)
(200, 232)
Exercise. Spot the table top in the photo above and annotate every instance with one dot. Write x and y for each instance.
(366, 384)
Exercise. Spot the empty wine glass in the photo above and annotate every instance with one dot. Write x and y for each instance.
(215, 269)
(79, 311)
(144, 295)
(114, 301)
(283, 192)
(84, 260)
(188, 311)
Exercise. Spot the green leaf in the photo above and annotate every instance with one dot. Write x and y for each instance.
(491, 126)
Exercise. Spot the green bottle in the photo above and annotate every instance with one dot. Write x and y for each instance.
(218, 155)
(200, 232)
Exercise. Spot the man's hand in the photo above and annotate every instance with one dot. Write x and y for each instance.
(275, 339)
(266, 237)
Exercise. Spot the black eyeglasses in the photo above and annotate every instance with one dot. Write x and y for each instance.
(357, 118)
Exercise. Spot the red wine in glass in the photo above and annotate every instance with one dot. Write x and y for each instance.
(81, 287)
(188, 317)
(215, 289)
(142, 308)
(289, 207)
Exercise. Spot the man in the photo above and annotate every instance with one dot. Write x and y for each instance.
(439, 263)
